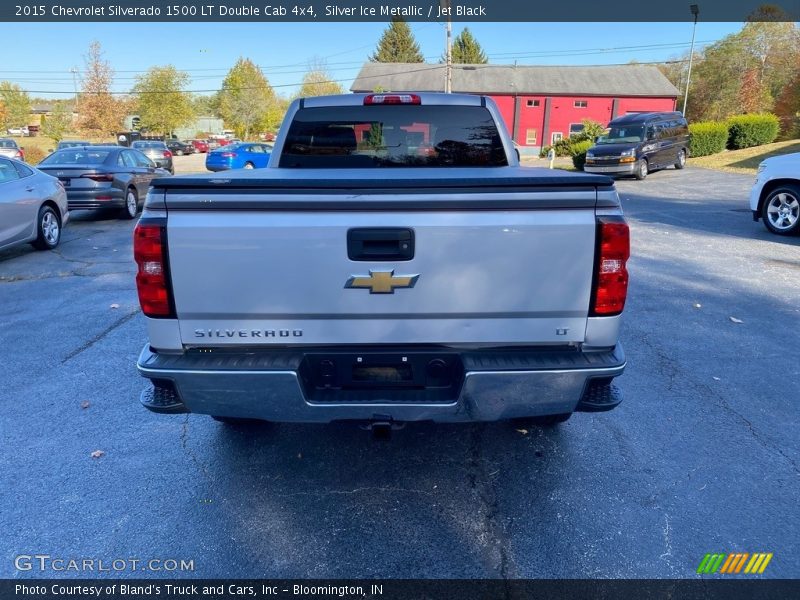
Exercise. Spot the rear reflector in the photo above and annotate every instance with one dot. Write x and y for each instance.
(152, 277)
(392, 99)
(611, 274)
(228, 154)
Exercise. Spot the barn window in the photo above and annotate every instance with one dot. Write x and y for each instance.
(556, 137)
(575, 128)
(533, 103)
(581, 103)
(530, 137)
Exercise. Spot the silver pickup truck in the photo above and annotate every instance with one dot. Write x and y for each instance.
(393, 263)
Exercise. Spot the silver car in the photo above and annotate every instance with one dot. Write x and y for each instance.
(9, 148)
(33, 206)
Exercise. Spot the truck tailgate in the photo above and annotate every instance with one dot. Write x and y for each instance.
(513, 268)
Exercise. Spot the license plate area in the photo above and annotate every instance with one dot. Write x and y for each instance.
(412, 376)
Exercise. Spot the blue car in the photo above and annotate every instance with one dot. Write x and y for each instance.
(244, 155)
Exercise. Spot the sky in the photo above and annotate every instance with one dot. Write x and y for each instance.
(284, 51)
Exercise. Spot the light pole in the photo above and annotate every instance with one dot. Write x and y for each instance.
(448, 52)
(695, 9)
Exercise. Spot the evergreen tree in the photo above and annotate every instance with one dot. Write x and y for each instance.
(397, 45)
(467, 50)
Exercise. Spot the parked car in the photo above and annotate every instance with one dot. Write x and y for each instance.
(199, 145)
(33, 206)
(775, 197)
(10, 149)
(157, 152)
(103, 177)
(213, 144)
(639, 143)
(246, 155)
(179, 148)
(72, 144)
(17, 131)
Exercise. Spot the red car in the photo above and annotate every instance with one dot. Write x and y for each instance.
(199, 145)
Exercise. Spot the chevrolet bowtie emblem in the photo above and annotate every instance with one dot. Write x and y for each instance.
(381, 282)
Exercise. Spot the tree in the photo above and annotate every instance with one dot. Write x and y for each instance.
(787, 108)
(58, 123)
(246, 101)
(397, 44)
(205, 106)
(163, 105)
(746, 69)
(16, 105)
(100, 113)
(318, 82)
(466, 50)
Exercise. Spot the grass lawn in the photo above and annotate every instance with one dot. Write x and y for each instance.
(746, 160)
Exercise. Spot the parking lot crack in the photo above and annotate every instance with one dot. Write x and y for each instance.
(187, 450)
(492, 533)
(119, 322)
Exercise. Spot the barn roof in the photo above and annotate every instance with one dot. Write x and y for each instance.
(627, 80)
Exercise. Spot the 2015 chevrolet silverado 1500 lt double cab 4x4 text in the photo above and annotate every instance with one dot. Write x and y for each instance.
(393, 263)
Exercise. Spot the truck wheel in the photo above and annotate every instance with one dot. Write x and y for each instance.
(546, 421)
(48, 227)
(781, 210)
(681, 162)
(641, 169)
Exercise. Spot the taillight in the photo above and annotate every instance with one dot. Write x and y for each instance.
(152, 277)
(611, 274)
(392, 99)
(167, 154)
(98, 176)
(228, 154)
(20, 155)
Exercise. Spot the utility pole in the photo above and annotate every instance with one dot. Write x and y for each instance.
(695, 9)
(74, 71)
(448, 76)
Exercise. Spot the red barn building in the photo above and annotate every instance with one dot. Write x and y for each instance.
(539, 104)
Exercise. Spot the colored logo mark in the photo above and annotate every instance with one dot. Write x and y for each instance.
(736, 562)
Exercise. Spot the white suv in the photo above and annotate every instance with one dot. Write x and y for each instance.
(775, 197)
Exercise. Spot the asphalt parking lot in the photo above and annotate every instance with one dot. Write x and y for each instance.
(702, 456)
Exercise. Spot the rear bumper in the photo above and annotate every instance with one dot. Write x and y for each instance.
(100, 198)
(269, 385)
(218, 167)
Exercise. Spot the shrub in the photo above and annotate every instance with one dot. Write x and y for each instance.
(34, 155)
(746, 131)
(578, 153)
(707, 138)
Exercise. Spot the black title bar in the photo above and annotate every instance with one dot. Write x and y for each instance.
(309, 11)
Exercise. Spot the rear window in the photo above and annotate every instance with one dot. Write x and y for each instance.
(393, 136)
(84, 156)
(8, 144)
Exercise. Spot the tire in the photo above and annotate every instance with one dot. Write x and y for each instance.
(249, 165)
(546, 421)
(131, 208)
(680, 163)
(780, 210)
(641, 169)
(48, 229)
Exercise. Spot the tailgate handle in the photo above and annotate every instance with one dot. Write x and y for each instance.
(390, 244)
